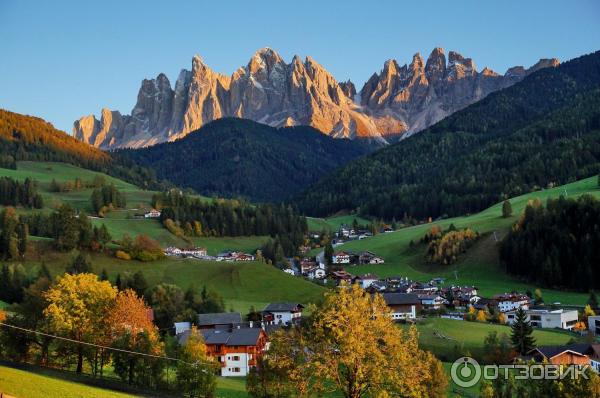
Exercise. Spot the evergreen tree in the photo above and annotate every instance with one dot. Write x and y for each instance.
(103, 275)
(118, 282)
(521, 336)
(328, 254)
(44, 272)
(593, 300)
(80, 265)
(139, 284)
(506, 209)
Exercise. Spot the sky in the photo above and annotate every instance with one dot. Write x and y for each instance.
(60, 60)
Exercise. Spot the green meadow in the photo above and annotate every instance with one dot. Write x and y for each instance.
(480, 265)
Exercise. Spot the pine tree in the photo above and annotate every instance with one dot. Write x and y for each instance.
(506, 209)
(104, 275)
(522, 330)
(80, 265)
(593, 300)
(118, 282)
(44, 272)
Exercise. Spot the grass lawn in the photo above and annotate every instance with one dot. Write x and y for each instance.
(25, 384)
(3, 304)
(480, 266)
(333, 223)
(241, 284)
(469, 336)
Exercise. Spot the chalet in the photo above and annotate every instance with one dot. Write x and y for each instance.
(511, 301)
(194, 252)
(152, 214)
(172, 251)
(316, 273)
(306, 264)
(578, 354)
(377, 287)
(243, 257)
(432, 301)
(341, 258)
(341, 277)
(556, 319)
(234, 256)
(369, 258)
(282, 313)
(365, 280)
(290, 271)
(219, 320)
(236, 350)
(403, 306)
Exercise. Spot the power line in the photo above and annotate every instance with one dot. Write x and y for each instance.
(102, 346)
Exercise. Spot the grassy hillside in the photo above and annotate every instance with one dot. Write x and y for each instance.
(333, 223)
(480, 265)
(241, 158)
(469, 337)
(36, 382)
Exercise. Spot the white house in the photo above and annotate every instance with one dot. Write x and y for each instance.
(282, 313)
(341, 258)
(366, 280)
(290, 271)
(432, 301)
(316, 273)
(594, 324)
(152, 214)
(547, 319)
(172, 251)
(511, 301)
(195, 252)
(402, 305)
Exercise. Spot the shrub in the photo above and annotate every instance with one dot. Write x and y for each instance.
(122, 255)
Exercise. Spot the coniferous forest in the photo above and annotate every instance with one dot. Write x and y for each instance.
(557, 245)
(540, 132)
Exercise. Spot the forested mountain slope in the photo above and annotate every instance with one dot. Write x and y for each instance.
(238, 157)
(542, 131)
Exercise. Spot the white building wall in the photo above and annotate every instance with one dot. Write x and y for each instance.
(405, 315)
(236, 364)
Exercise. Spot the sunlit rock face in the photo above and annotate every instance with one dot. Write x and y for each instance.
(399, 100)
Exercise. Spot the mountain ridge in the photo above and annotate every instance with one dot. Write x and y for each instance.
(398, 100)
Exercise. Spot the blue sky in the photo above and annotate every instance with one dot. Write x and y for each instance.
(64, 59)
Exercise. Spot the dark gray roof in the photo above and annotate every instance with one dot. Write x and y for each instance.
(220, 318)
(400, 298)
(282, 307)
(230, 337)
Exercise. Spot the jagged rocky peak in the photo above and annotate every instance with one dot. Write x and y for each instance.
(397, 100)
(349, 89)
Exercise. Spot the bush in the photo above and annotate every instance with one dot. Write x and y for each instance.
(122, 255)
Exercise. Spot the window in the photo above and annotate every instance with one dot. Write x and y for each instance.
(535, 317)
(235, 370)
(235, 358)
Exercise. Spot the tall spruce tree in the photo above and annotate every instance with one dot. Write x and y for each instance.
(521, 337)
(506, 209)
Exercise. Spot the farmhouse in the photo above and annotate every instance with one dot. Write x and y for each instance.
(236, 350)
(594, 324)
(316, 273)
(341, 258)
(152, 214)
(432, 301)
(341, 276)
(562, 319)
(234, 256)
(511, 301)
(172, 251)
(282, 313)
(402, 305)
(369, 258)
(366, 280)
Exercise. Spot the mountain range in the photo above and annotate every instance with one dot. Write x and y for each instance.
(541, 132)
(396, 102)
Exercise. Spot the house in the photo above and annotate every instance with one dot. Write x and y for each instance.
(282, 313)
(236, 350)
(306, 265)
(366, 280)
(316, 273)
(290, 271)
(172, 251)
(594, 324)
(219, 320)
(556, 319)
(578, 354)
(369, 258)
(511, 301)
(194, 252)
(181, 327)
(432, 301)
(402, 305)
(341, 258)
(242, 257)
(341, 277)
(152, 214)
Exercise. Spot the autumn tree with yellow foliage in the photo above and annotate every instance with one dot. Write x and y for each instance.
(78, 308)
(196, 370)
(352, 345)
